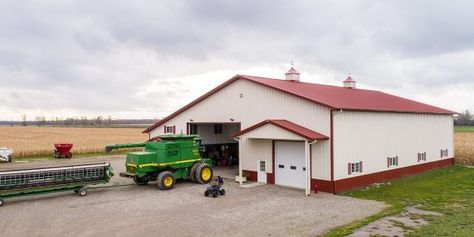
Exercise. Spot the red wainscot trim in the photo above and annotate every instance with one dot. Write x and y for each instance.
(319, 185)
(251, 175)
(270, 178)
(364, 180)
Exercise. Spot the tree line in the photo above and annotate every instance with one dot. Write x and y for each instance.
(465, 118)
(80, 121)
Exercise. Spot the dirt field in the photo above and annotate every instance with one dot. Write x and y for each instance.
(266, 210)
(464, 147)
(38, 141)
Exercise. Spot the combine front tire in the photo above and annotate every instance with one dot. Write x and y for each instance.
(203, 173)
(166, 180)
(192, 171)
(9, 158)
(140, 181)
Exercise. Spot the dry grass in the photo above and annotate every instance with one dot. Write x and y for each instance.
(39, 141)
(464, 147)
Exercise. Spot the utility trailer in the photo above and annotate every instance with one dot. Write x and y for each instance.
(25, 182)
(6, 154)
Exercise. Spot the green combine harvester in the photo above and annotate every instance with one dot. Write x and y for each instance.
(171, 158)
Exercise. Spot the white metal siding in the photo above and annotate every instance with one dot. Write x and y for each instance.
(256, 149)
(321, 162)
(371, 137)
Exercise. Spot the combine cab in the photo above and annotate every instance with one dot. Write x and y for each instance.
(173, 157)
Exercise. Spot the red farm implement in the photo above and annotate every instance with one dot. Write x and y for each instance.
(63, 150)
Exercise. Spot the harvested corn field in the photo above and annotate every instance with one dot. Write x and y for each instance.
(464, 147)
(38, 141)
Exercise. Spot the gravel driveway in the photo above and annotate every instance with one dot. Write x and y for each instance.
(266, 210)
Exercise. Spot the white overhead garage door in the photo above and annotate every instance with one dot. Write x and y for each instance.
(290, 167)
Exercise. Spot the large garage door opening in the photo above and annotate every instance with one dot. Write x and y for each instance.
(217, 142)
(290, 169)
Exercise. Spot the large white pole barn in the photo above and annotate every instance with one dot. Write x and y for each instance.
(312, 136)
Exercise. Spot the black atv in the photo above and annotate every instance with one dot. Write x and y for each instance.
(215, 189)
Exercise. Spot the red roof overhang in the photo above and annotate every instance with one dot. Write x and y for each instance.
(287, 125)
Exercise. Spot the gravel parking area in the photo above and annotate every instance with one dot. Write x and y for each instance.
(266, 210)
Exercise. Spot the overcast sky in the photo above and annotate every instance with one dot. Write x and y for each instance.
(145, 59)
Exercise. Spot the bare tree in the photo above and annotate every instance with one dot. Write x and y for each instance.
(464, 119)
(109, 121)
(24, 123)
(99, 120)
(40, 121)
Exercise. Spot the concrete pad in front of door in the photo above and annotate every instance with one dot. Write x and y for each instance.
(251, 185)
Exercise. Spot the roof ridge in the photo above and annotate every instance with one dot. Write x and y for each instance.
(303, 82)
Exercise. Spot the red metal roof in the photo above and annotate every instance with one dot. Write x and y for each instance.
(333, 97)
(348, 98)
(287, 125)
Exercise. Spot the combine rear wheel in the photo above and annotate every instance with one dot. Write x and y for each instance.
(192, 171)
(140, 181)
(203, 173)
(166, 180)
(1, 202)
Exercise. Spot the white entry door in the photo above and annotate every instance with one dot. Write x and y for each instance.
(290, 169)
(262, 171)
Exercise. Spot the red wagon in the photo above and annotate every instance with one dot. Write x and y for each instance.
(63, 150)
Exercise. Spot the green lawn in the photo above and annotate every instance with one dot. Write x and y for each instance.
(464, 128)
(449, 191)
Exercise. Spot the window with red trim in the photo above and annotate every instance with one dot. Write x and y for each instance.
(421, 156)
(392, 161)
(444, 153)
(170, 129)
(354, 167)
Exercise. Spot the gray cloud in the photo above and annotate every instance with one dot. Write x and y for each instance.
(103, 57)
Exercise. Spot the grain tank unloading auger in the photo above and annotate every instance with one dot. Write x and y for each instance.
(172, 157)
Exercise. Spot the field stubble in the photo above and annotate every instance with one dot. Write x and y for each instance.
(39, 141)
(464, 147)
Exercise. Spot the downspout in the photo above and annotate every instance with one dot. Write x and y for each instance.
(308, 166)
(332, 150)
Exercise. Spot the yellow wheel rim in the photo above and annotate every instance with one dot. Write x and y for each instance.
(168, 181)
(206, 174)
